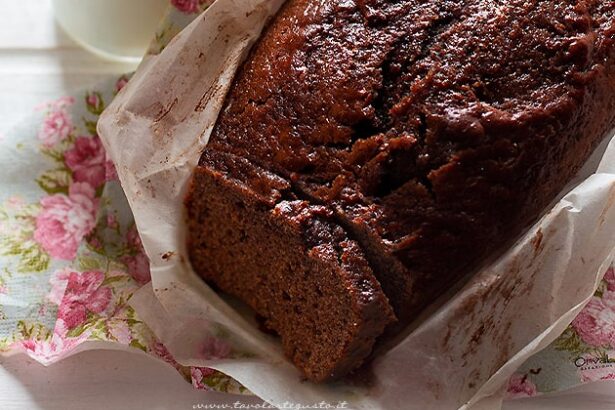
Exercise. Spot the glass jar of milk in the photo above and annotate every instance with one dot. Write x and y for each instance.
(114, 29)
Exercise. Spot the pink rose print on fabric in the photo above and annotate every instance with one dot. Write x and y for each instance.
(161, 351)
(57, 125)
(48, 351)
(92, 100)
(609, 277)
(65, 220)
(520, 386)
(138, 268)
(112, 221)
(121, 82)
(596, 322)
(61, 103)
(58, 282)
(213, 348)
(87, 161)
(133, 239)
(84, 293)
(120, 331)
(110, 171)
(95, 243)
(58, 345)
(594, 369)
(187, 6)
(137, 262)
(198, 374)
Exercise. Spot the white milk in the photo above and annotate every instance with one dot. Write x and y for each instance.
(114, 29)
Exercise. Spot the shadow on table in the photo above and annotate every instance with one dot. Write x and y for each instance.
(101, 379)
(592, 396)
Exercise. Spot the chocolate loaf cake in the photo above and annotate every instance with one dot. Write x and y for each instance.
(418, 136)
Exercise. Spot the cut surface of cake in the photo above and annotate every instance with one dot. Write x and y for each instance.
(287, 260)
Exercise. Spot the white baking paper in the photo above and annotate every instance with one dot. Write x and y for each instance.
(462, 352)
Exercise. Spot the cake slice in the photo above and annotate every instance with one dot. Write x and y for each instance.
(286, 259)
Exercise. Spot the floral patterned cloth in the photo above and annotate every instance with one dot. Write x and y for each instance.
(584, 353)
(71, 257)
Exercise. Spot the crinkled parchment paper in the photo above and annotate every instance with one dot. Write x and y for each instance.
(460, 355)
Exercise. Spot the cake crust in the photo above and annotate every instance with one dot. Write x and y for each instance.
(436, 130)
(433, 131)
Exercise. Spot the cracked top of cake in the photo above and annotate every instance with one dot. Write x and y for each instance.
(420, 119)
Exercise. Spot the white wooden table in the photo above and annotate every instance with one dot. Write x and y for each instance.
(37, 63)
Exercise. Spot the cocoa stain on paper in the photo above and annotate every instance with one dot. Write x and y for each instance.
(492, 304)
(168, 255)
(150, 187)
(208, 96)
(537, 241)
(215, 87)
(172, 286)
(164, 111)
